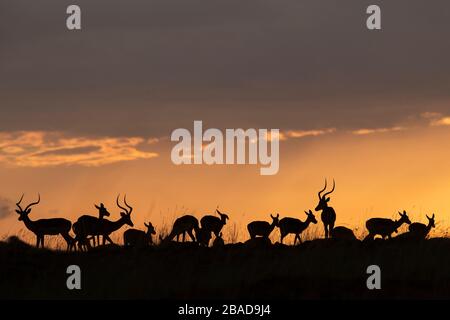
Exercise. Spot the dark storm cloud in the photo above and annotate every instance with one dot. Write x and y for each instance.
(146, 67)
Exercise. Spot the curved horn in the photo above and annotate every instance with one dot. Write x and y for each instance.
(33, 203)
(20, 201)
(129, 207)
(118, 204)
(332, 190)
(320, 192)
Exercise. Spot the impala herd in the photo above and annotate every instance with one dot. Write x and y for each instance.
(90, 228)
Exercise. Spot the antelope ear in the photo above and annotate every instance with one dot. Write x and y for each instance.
(400, 214)
(28, 211)
(18, 212)
(278, 215)
(433, 216)
(145, 224)
(306, 212)
(327, 200)
(122, 214)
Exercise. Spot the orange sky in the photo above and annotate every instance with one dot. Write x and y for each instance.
(377, 174)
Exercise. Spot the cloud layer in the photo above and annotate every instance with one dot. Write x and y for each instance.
(45, 149)
(5, 208)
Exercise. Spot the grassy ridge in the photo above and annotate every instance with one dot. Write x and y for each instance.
(316, 269)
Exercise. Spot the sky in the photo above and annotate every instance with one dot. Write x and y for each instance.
(86, 115)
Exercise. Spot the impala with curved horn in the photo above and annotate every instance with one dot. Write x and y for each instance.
(45, 227)
(91, 226)
(328, 215)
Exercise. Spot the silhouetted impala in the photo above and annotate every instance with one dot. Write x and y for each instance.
(420, 230)
(214, 224)
(328, 215)
(342, 233)
(262, 228)
(139, 238)
(181, 226)
(91, 226)
(295, 226)
(45, 227)
(385, 227)
(102, 212)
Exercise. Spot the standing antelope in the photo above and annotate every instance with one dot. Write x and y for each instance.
(262, 228)
(214, 224)
(182, 225)
(44, 227)
(420, 230)
(295, 226)
(328, 215)
(385, 227)
(102, 212)
(92, 226)
(138, 238)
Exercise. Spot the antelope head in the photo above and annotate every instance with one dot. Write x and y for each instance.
(404, 217)
(431, 221)
(323, 200)
(23, 213)
(150, 228)
(103, 212)
(223, 216)
(275, 219)
(310, 217)
(126, 213)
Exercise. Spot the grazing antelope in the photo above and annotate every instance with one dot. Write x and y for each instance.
(203, 237)
(181, 226)
(342, 233)
(328, 215)
(214, 224)
(262, 228)
(139, 238)
(44, 227)
(218, 241)
(385, 227)
(91, 226)
(295, 226)
(420, 230)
